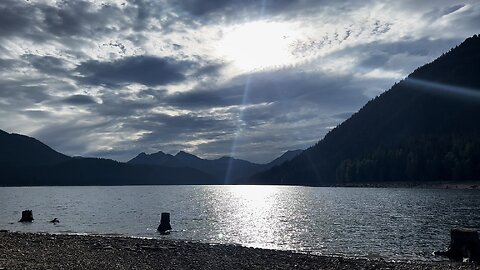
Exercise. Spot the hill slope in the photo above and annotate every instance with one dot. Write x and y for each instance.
(424, 128)
(20, 149)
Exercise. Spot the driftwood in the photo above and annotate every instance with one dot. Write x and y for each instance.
(27, 216)
(464, 244)
(164, 226)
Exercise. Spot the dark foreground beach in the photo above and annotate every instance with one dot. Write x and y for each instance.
(46, 251)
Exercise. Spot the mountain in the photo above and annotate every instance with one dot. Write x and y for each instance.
(158, 158)
(225, 169)
(289, 155)
(20, 149)
(25, 161)
(425, 128)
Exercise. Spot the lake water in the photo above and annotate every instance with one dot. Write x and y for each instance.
(395, 224)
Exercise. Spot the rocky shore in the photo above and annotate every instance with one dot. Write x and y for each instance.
(47, 251)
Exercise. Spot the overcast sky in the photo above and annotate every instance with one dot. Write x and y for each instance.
(247, 78)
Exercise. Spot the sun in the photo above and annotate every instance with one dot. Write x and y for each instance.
(258, 45)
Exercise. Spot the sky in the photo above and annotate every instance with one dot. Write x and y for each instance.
(249, 79)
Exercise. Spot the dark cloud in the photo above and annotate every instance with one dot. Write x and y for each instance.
(253, 9)
(16, 93)
(440, 11)
(47, 64)
(69, 19)
(8, 64)
(275, 86)
(76, 18)
(146, 70)
(16, 17)
(76, 136)
(36, 114)
(79, 100)
(404, 56)
(166, 128)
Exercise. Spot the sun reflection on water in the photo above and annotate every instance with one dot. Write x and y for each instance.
(258, 218)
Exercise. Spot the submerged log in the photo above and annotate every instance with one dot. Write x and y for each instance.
(464, 244)
(164, 226)
(27, 216)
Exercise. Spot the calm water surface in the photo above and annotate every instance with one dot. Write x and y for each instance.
(389, 223)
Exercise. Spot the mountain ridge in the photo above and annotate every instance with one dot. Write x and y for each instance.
(410, 109)
(226, 169)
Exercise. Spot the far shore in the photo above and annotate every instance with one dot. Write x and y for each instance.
(49, 251)
(376, 184)
(432, 185)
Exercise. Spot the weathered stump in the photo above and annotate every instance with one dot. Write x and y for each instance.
(464, 244)
(164, 226)
(27, 216)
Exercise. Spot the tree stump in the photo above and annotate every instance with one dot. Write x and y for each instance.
(164, 226)
(464, 243)
(27, 216)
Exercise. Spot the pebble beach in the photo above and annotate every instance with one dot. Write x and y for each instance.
(53, 251)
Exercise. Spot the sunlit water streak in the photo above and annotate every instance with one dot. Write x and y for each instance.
(388, 223)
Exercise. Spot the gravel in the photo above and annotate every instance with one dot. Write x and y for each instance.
(48, 251)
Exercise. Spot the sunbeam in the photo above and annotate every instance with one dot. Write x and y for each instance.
(233, 149)
(443, 88)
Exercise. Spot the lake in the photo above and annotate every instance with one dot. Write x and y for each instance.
(394, 224)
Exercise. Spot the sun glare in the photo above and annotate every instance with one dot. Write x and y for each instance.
(258, 45)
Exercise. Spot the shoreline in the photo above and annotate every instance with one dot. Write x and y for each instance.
(20, 250)
(471, 185)
(474, 185)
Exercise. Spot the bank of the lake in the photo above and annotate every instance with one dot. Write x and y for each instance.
(48, 251)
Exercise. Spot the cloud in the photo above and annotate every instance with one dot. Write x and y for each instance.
(16, 18)
(146, 70)
(79, 100)
(239, 10)
(116, 78)
(266, 87)
(47, 64)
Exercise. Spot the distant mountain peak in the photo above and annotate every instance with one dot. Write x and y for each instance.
(185, 154)
(159, 153)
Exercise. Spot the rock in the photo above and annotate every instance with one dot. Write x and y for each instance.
(464, 243)
(164, 226)
(27, 216)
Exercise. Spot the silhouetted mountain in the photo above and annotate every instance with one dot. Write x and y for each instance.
(224, 170)
(289, 155)
(424, 128)
(158, 158)
(25, 161)
(20, 149)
